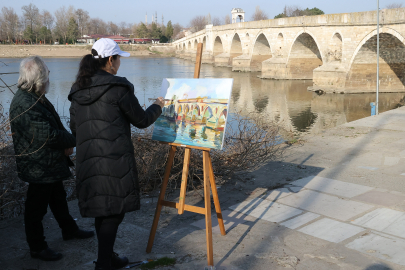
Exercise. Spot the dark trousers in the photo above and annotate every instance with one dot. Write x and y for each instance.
(106, 229)
(39, 196)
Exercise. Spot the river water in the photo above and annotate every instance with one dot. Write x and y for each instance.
(285, 102)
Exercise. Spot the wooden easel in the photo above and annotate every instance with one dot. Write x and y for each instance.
(209, 180)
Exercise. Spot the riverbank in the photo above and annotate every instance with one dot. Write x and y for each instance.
(75, 51)
(325, 206)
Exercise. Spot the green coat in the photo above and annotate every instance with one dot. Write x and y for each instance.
(39, 139)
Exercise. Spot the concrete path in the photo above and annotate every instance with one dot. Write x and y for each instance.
(336, 202)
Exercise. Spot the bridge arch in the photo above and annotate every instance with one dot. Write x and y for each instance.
(374, 33)
(222, 119)
(279, 45)
(189, 45)
(207, 114)
(335, 48)
(218, 46)
(362, 69)
(236, 47)
(304, 56)
(196, 112)
(195, 44)
(204, 43)
(261, 52)
(185, 111)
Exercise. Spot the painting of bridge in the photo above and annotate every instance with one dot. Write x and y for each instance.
(195, 112)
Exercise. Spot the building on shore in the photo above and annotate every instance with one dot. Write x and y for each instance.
(93, 38)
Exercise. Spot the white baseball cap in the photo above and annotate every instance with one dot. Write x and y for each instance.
(107, 47)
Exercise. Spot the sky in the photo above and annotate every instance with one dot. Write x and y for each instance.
(183, 11)
(212, 88)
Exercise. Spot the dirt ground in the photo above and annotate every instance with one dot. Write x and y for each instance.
(19, 51)
(133, 233)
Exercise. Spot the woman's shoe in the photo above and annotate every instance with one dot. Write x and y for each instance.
(46, 255)
(98, 267)
(118, 262)
(79, 234)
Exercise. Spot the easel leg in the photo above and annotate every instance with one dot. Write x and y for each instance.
(184, 177)
(215, 197)
(207, 199)
(161, 198)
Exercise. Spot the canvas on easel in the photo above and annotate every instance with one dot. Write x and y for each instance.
(195, 112)
(194, 117)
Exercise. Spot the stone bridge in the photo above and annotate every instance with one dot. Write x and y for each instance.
(205, 111)
(336, 51)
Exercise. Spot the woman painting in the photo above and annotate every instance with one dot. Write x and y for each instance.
(103, 107)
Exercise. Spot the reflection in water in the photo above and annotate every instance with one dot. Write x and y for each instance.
(298, 110)
(186, 132)
(285, 102)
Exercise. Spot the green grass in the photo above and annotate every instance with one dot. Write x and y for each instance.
(165, 261)
(154, 51)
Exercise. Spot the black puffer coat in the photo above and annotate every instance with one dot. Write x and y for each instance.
(39, 139)
(100, 118)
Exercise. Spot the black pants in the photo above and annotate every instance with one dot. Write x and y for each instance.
(106, 229)
(39, 196)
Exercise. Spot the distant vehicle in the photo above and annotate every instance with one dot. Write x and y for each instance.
(56, 43)
(145, 40)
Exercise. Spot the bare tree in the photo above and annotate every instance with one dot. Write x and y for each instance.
(394, 5)
(125, 28)
(177, 29)
(63, 16)
(198, 23)
(97, 26)
(112, 28)
(82, 19)
(292, 11)
(259, 15)
(227, 19)
(216, 21)
(47, 19)
(31, 16)
(9, 23)
(134, 28)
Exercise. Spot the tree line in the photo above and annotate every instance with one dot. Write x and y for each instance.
(67, 24)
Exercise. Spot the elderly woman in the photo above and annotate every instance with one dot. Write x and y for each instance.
(103, 108)
(42, 147)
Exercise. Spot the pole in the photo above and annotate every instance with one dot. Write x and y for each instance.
(378, 55)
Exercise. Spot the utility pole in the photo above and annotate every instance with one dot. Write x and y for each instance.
(146, 19)
(378, 55)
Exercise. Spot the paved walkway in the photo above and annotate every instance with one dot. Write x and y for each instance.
(335, 202)
(356, 198)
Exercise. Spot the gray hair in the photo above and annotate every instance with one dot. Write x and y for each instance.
(34, 74)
